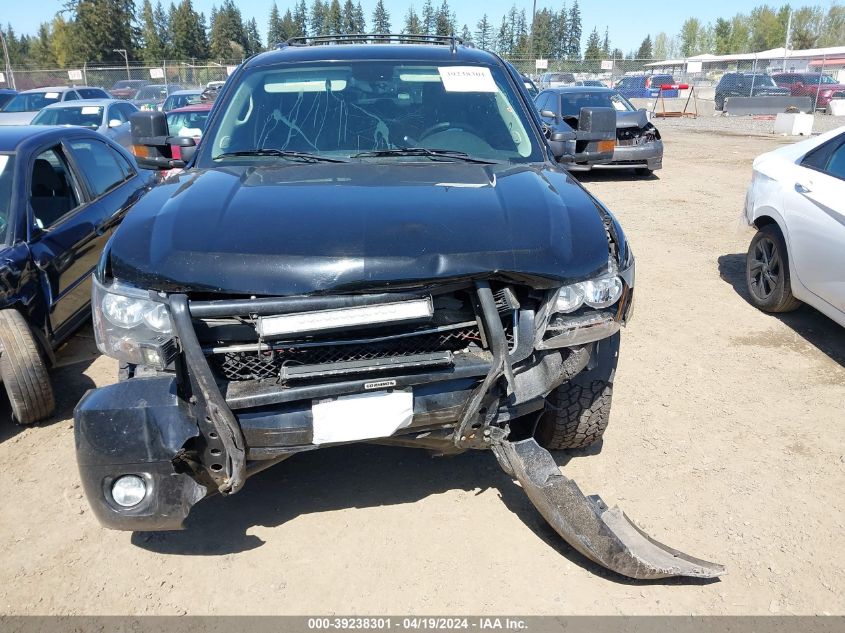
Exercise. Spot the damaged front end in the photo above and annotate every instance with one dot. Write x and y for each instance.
(224, 387)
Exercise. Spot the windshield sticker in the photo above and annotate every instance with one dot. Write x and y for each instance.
(467, 79)
(90, 110)
(51, 95)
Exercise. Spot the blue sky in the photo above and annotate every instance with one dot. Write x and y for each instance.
(628, 20)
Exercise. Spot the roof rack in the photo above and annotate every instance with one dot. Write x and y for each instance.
(375, 38)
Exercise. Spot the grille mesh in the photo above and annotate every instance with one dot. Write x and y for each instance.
(267, 364)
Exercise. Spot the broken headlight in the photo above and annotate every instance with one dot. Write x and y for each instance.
(596, 293)
(131, 327)
(579, 314)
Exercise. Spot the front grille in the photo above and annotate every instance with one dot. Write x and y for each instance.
(256, 365)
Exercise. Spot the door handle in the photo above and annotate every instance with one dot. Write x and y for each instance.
(801, 188)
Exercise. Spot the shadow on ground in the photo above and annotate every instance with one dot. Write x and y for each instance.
(612, 175)
(68, 379)
(352, 476)
(813, 326)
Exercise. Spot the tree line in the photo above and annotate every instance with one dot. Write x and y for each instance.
(106, 30)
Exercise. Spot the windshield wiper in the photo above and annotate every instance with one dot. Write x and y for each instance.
(305, 157)
(424, 151)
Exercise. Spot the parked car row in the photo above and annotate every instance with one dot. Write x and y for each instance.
(22, 107)
(821, 87)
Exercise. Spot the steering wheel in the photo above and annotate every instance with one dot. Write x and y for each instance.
(446, 125)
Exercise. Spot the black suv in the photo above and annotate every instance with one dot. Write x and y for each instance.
(374, 242)
(747, 85)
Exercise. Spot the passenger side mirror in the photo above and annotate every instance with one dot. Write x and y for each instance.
(548, 114)
(152, 144)
(115, 123)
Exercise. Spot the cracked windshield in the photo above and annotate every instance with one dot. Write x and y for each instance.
(342, 110)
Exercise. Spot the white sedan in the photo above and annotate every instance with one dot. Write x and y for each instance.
(796, 202)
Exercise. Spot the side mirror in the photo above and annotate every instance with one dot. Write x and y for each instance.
(152, 144)
(548, 114)
(115, 123)
(561, 139)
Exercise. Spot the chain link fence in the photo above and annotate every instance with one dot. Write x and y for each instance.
(184, 74)
(704, 74)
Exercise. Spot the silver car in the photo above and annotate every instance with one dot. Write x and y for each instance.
(24, 106)
(109, 117)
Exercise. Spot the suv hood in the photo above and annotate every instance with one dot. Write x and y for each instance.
(296, 228)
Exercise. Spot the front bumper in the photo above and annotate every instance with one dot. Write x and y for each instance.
(189, 435)
(646, 155)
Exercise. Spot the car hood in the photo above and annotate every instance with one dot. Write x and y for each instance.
(16, 118)
(637, 118)
(306, 228)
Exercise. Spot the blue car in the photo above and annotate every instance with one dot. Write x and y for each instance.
(645, 86)
(6, 96)
(62, 193)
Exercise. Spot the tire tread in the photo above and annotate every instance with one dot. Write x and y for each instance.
(24, 372)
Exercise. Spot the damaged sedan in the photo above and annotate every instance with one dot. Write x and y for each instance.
(637, 145)
(374, 242)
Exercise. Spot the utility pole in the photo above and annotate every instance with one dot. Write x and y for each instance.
(10, 81)
(531, 32)
(786, 42)
(125, 54)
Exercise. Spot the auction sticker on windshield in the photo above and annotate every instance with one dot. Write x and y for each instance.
(467, 79)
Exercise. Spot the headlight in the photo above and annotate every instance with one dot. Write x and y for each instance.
(130, 327)
(570, 325)
(596, 293)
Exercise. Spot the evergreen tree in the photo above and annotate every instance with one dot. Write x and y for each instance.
(318, 18)
(593, 49)
(253, 38)
(187, 32)
(413, 26)
(644, 51)
(466, 35)
(521, 36)
(722, 36)
(360, 19)
(300, 18)
(288, 27)
(504, 38)
(605, 47)
(573, 41)
(381, 18)
(484, 36)
(228, 35)
(101, 26)
(542, 35)
(443, 21)
(162, 22)
(153, 48)
(429, 18)
(560, 26)
(42, 48)
(334, 18)
(274, 26)
(348, 17)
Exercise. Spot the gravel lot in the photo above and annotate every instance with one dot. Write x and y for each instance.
(725, 441)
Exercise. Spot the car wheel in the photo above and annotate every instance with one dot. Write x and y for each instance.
(579, 410)
(767, 272)
(23, 370)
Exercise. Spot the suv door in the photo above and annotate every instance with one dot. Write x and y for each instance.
(815, 221)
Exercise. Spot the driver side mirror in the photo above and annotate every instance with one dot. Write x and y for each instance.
(548, 114)
(115, 123)
(561, 140)
(152, 144)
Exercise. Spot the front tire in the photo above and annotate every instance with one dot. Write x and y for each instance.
(579, 410)
(23, 370)
(767, 272)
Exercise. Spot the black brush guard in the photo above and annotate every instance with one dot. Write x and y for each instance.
(605, 536)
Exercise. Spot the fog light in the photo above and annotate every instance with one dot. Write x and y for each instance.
(128, 491)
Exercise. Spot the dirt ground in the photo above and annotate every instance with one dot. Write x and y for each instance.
(726, 441)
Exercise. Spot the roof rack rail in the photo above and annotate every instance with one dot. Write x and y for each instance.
(375, 38)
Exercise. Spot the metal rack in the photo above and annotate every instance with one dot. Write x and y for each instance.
(374, 38)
